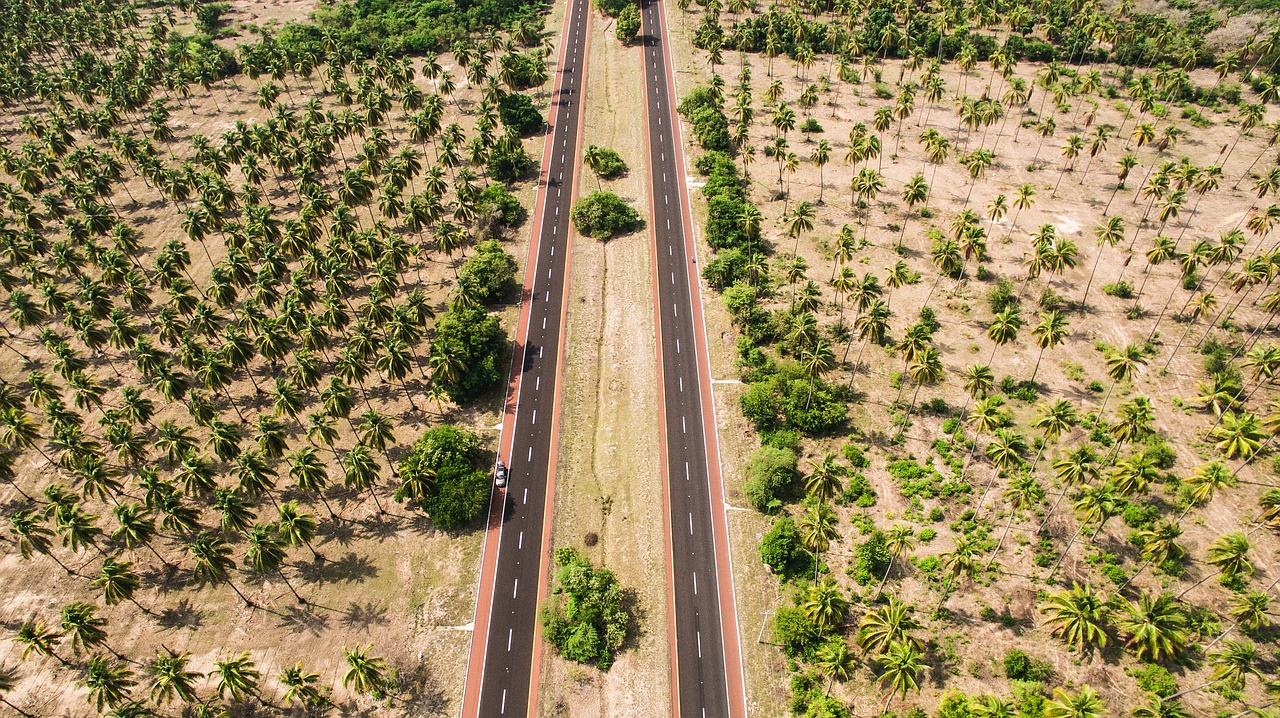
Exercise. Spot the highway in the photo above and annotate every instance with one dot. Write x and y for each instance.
(504, 659)
(707, 666)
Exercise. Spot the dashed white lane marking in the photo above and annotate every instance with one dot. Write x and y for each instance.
(681, 380)
(670, 251)
(666, 198)
(557, 211)
(690, 524)
(544, 322)
(668, 224)
(683, 427)
(540, 352)
(673, 277)
(677, 346)
(699, 644)
(510, 634)
(675, 310)
(535, 417)
(537, 380)
(530, 454)
(515, 590)
(548, 274)
(686, 471)
(553, 247)
(695, 583)
(504, 701)
(554, 227)
(548, 295)
(520, 544)
(526, 496)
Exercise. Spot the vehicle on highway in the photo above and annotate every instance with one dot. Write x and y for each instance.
(500, 475)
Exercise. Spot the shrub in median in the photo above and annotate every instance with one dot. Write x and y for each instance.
(442, 475)
(586, 620)
(604, 215)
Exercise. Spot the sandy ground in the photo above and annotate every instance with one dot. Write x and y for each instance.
(962, 310)
(608, 481)
(390, 580)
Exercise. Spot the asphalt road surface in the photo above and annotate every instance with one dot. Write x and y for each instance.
(704, 683)
(506, 677)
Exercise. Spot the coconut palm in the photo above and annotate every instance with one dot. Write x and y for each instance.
(237, 677)
(1049, 333)
(365, 674)
(1155, 625)
(301, 687)
(1122, 365)
(823, 483)
(213, 562)
(1086, 703)
(817, 529)
(836, 661)
(825, 604)
(899, 539)
(890, 623)
(171, 679)
(1078, 616)
(109, 682)
(1229, 553)
(900, 667)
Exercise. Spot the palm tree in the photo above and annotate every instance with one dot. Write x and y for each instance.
(1158, 707)
(825, 604)
(1156, 627)
(1159, 546)
(886, 625)
(1049, 333)
(297, 528)
(86, 629)
(1122, 365)
(818, 528)
(365, 674)
(1023, 493)
(900, 670)
(301, 686)
(823, 483)
(1229, 553)
(109, 682)
(213, 563)
(1084, 704)
(899, 539)
(816, 362)
(836, 661)
(237, 677)
(265, 553)
(961, 560)
(1109, 232)
(1078, 616)
(170, 678)
(1232, 665)
(820, 156)
(35, 636)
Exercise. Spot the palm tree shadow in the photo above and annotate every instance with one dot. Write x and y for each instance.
(363, 617)
(183, 615)
(350, 568)
(299, 619)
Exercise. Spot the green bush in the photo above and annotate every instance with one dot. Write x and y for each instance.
(1153, 678)
(782, 550)
(1122, 289)
(508, 160)
(500, 206)
(795, 632)
(871, 559)
(1019, 666)
(858, 492)
(605, 162)
(614, 8)
(771, 475)
(489, 274)
(603, 215)
(1002, 296)
(586, 620)
(783, 400)
(446, 463)
(628, 24)
(518, 114)
(470, 343)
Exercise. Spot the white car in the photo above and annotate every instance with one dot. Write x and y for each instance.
(500, 475)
